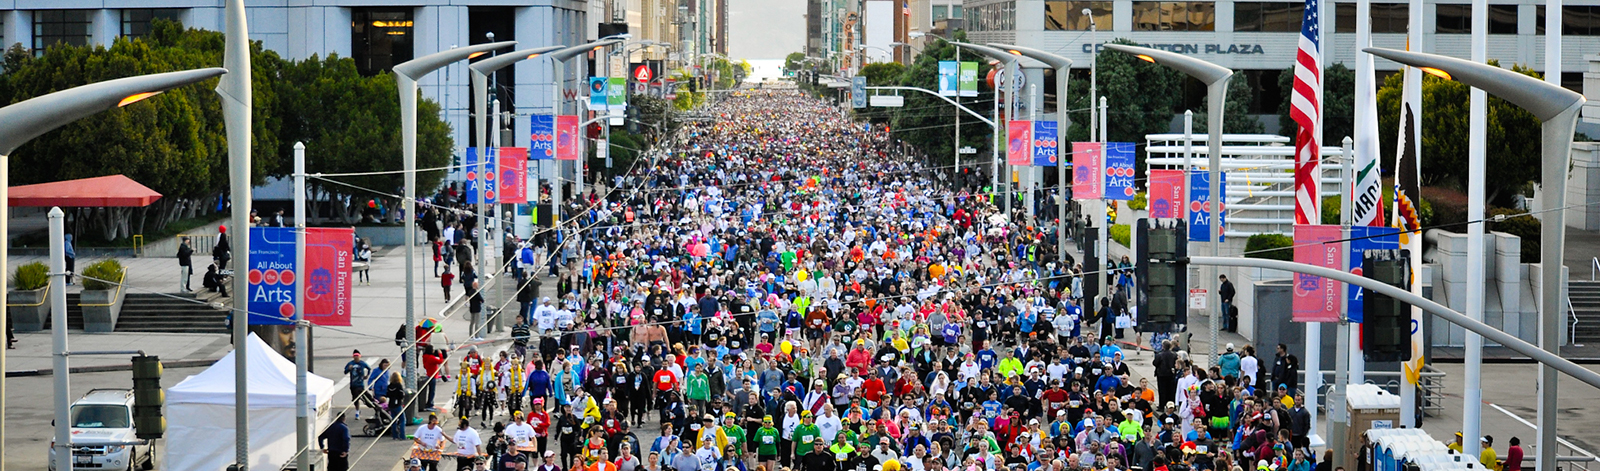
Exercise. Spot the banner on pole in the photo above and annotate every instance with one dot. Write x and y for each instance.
(1362, 239)
(858, 92)
(1166, 193)
(542, 140)
(1046, 144)
(617, 93)
(513, 175)
(1088, 175)
(480, 166)
(1119, 171)
(949, 78)
(598, 92)
(1200, 206)
(1019, 142)
(1316, 299)
(272, 276)
(968, 78)
(567, 141)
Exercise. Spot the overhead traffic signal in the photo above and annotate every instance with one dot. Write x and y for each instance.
(148, 422)
(1386, 322)
(1162, 273)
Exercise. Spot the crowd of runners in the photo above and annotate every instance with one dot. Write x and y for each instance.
(787, 290)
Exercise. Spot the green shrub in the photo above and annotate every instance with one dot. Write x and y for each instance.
(109, 270)
(1121, 233)
(1270, 246)
(29, 277)
(1140, 201)
(1520, 224)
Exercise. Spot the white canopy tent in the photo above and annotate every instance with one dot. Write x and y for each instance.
(200, 413)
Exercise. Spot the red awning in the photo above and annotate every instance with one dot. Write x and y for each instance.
(107, 191)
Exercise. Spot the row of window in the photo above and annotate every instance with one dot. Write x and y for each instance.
(74, 27)
(945, 12)
(1067, 15)
(999, 16)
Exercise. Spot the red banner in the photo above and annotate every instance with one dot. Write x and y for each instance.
(1088, 171)
(328, 260)
(1166, 193)
(1019, 143)
(514, 175)
(1317, 299)
(567, 141)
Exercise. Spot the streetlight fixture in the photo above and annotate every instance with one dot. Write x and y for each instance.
(33, 117)
(558, 72)
(1557, 109)
(1013, 64)
(406, 75)
(1216, 79)
(1063, 66)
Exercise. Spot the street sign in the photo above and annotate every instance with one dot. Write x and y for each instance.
(642, 73)
(1197, 298)
(967, 150)
(888, 101)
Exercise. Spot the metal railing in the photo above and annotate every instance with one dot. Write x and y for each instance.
(114, 297)
(1572, 330)
(1594, 266)
(1430, 383)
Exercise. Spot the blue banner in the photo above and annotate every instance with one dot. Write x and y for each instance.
(1119, 171)
(598, 89)
(949, 78)
(542, 143)
(1362, 239)
(1199, 207)
(475, 168)
(271, 271)
(858, 92)
(1046, 144)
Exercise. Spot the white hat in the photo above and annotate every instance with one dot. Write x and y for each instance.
(1230, 346)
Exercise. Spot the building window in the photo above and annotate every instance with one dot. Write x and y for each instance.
(1502, 19)
(941, 12)
(380, 38)
(136, 21)
(1386, 18)
(1174, 16)
(51, 27)
(1577, 20)
(955, 12)
(1068, 15)
(1453, 19)
(1268, 16)
(999, 16)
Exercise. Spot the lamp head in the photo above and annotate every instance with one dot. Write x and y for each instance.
(1545, 100)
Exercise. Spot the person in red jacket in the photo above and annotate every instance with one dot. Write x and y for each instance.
(665, 380)
(873, 390)
(539, 419)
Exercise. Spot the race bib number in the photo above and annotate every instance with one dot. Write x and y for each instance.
(767, 439)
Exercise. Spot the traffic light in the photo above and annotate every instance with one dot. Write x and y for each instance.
(148, 423)
(1091, 270)
(1386, 322)
(1162, 272)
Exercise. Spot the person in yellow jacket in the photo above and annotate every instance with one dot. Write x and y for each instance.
(709, 431)
(1009, 366)
(1489, 458)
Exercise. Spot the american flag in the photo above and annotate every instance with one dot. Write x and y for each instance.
(1306, 111)
(905, 8)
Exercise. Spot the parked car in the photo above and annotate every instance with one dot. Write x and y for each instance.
(103, 436)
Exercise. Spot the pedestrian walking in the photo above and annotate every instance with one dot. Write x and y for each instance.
(335, 442)
(222, 251)
(185, 264)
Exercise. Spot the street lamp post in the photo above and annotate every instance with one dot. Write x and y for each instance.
(31, 118)
(1216, 79)
(558, 60)
(1063, 67)
(480, 85)
(406, 75)
(1557, 109)
(237, 100)
(1013, 65)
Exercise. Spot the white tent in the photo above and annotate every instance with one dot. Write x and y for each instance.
(200, 413)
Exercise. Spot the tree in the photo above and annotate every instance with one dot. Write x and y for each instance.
(1513, 136)
(883, 74)
(1338, 104)
(927, 122)
(794, 62)
(1236, 117)
(1141, 97)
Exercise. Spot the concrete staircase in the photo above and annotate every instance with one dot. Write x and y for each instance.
(150, 312)
(1585, 296)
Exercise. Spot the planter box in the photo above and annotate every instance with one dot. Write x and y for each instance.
(28, 309)
(100, 310)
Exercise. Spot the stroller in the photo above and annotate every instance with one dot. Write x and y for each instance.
(373, 426)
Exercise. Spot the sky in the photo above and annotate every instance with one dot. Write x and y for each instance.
(766, 29)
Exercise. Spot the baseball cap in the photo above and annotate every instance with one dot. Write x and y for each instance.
(414, 463)
(549, 453)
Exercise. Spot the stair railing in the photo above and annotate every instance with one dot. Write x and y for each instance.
(1572, 330)
(1594, 265)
